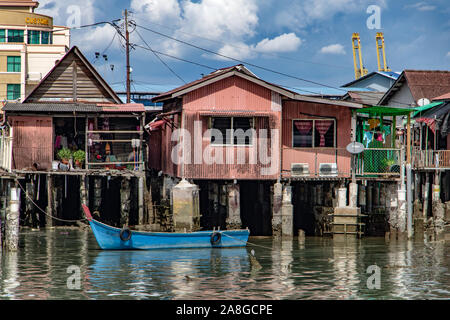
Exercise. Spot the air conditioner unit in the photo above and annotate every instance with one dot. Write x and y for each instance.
(328, 170)
(299, 169)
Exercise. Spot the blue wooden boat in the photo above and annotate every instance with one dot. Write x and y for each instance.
(111, 238)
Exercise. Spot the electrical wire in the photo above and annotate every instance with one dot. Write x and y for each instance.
(177, 58)
(252, 64)
(159, 58)
(250, 49)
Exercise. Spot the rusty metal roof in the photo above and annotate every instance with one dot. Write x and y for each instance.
(422, 84)
(126, 107)
(51, 107)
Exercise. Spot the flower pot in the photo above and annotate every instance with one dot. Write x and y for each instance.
(65, 161)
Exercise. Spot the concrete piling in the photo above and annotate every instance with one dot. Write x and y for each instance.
(362, 197)
(48, 219)
(185, 206)
(233, 220)
(353, 196)
(125, 202)
(276, 209)
(12, 221)
(287, 211)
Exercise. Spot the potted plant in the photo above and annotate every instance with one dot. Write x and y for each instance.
(79, 156)
(65, 155)
(390, 165)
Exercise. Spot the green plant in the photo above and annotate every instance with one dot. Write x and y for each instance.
(389, 162)
(64, 154)
(79, 155)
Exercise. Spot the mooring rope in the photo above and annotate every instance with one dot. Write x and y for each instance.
(253, 244)
(43, 211)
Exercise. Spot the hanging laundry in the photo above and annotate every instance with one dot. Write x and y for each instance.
(378, 137)
(373, 123)
(368, 136)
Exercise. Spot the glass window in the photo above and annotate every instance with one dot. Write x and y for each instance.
(234, 130)
(34, 37)
(15, 35)
(324, 133)
(302, 130)
(2, 35)
(224, 126)
(240, 133)
(13, 64)
(13, 91)
(45, 37)
(317, 133)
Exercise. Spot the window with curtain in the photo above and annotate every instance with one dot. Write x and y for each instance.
(34, 37)
(234, 130)
(13, 91)
(13, 64)
(318, 133)
(2, 35)
(15, 35)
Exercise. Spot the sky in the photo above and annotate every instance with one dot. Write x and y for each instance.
(302, 39)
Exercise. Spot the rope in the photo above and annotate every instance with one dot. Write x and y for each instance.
(44, 212)
(253, 244)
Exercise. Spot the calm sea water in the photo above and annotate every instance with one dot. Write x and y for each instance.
(320, 268)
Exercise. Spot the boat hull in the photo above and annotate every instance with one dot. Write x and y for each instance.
(108, 238)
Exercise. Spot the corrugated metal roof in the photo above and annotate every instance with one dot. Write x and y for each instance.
(422, 84)
(392, 75)
(326, 91)
(234, 113)
(443, 97)
(51, 107)
(367, 98)
(127, 107)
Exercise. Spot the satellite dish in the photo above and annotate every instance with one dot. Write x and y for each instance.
(423, 101)
(355, 147)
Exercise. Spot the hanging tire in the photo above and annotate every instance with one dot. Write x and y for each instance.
(125, 234)
(215, 238)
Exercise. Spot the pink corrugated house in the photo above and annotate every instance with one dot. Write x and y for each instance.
(236, 135)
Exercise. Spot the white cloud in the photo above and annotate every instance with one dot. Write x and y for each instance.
(298, 15)
(421, 6)
(236, 50)
(158, 11)
(97, 38)
(448, 54)
(63, 11)
(228, 23)
(284, 43)
(333, 49)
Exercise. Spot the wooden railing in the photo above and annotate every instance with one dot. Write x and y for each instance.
(431, 158)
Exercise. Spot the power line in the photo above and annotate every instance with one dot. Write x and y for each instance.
(177, 58)
(252, 64)
(159, 58)
(250, 49)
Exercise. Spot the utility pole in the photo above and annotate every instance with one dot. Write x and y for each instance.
(127, 45)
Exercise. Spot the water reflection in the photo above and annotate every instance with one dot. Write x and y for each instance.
(318, 268)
